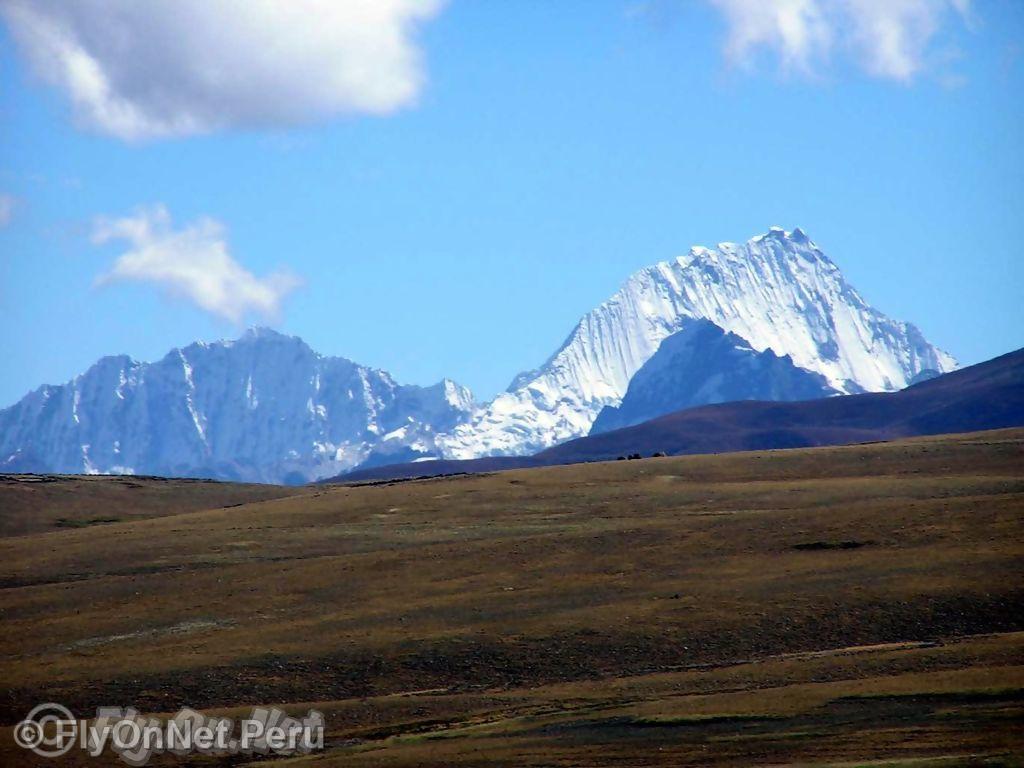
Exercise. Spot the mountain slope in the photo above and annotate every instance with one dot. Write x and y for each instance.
(777, 291)
(986, 396)
(263, 408)
(702, 364)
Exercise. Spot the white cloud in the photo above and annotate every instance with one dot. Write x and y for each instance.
(7, 206)
(796, 29)
(888, 38)
(164, 68)
(192, 262)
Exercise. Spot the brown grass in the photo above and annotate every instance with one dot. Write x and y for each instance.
(821, 606)
(40, 503)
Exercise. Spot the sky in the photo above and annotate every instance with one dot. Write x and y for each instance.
(444, 189)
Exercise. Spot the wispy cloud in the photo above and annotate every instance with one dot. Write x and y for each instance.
(887, 38)
(164, 68)
(795, 29)
(192, 262)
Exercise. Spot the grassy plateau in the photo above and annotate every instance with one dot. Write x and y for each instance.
(860, 605)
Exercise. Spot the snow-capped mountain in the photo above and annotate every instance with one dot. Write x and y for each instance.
(263, 408)
(266, 407)
(703, 365)
(777, 291)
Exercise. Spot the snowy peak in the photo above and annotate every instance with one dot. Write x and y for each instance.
(778, 291)
(263, 407)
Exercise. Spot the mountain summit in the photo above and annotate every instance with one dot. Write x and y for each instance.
(778, 291)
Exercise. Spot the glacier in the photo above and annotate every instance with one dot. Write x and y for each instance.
(777, 291)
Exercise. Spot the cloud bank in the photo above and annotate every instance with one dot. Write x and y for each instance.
(165, 68)
(192, 262)
(887, 38)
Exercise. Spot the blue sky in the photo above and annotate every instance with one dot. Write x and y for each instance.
(457, 219)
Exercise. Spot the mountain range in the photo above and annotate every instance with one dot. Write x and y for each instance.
(263, 408)
(772, 318)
